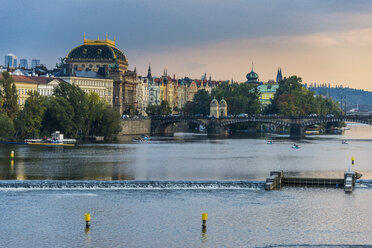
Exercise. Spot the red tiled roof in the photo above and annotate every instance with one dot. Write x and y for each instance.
(21, 79)
(42, 80)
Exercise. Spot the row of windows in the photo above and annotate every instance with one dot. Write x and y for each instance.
(83, 66)
(25, 91)
(45, 92)
(99, 92)
(92, 83)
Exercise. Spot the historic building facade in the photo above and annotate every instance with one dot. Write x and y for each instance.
(103, 87)
(102, 55)
(142, 96)
(218, 109)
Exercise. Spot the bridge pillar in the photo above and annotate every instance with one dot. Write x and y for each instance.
(215, 129)
(296, 131)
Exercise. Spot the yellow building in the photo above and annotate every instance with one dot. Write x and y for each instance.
(267, 91)
(24, 85)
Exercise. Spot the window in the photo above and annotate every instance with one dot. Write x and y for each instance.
(90, 66)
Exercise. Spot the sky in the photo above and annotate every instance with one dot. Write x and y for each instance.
(322, 41)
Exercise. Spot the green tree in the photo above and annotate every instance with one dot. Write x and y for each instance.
(165, 109)
(162, 109)
(6, 127)
(240, 98)
(153, 109)
(201, 102)
(9, 95)
(59, 116)
(292, 98)
(29, 120)
(76, 97)
(108, 124)
(95, 108)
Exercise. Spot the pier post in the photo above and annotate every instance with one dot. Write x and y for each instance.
(275, 180)
(349, 181)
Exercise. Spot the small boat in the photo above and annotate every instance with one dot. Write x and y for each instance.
(269, 142)
(344, 142)
(295, 146)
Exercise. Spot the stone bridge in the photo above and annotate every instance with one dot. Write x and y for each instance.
(214, 126)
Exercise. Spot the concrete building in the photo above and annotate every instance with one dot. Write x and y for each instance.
(10, 60)
(23, 63)
(35, 63)
(142, 96)
(154, 88)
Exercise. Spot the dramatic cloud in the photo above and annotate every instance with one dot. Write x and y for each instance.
(323, 41)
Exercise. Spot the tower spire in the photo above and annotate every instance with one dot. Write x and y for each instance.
(149, 72)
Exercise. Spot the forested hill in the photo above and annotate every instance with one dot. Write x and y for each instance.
(353, 96)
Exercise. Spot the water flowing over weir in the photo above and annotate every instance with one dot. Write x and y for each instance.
(129, 185)
(141, 185)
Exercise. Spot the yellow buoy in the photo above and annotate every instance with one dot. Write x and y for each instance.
(204, 219)
(204, 216)
(12, 154)
(87, 217)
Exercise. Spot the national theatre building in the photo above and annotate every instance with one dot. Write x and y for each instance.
(102, 57)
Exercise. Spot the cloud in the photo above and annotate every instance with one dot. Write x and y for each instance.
(194, 65)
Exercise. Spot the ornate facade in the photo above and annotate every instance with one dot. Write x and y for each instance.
(218, 109)
(95, 55)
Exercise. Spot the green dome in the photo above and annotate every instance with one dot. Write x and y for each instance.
(252, 76)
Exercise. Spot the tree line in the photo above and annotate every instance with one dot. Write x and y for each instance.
(291, 98)
(70, 110)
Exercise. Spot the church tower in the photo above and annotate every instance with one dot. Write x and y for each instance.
(279, 76)
(149, 76)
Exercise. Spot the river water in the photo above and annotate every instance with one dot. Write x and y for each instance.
(152, 193)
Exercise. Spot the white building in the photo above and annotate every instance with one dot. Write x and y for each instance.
(142, 96)
(46, 85)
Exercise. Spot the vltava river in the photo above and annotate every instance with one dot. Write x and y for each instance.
(152, 194)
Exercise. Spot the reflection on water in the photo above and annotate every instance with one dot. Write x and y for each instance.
(191, 157)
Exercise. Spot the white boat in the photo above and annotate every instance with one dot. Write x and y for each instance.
(295, 146)
(57, 139)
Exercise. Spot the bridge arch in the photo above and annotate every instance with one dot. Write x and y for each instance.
(159, 125)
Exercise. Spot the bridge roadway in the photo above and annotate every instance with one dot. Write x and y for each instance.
(219, 126)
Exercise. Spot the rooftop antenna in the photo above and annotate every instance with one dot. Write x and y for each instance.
(106, 35)
(84, 35)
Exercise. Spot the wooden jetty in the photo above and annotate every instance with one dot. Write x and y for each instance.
(277, 179)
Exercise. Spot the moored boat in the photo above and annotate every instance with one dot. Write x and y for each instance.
(56, 140)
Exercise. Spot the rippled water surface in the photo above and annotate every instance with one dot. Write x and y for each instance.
(162, 186)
